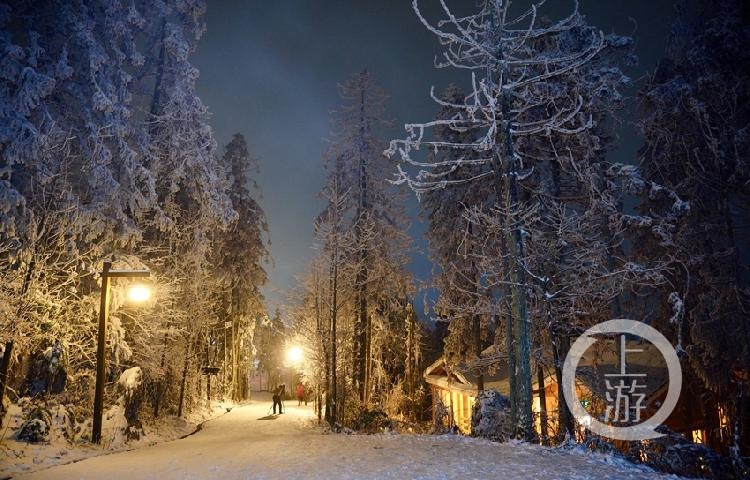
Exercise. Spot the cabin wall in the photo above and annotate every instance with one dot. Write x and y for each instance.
(458, 404)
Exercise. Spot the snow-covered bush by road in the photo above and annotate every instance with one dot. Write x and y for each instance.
(490, 416)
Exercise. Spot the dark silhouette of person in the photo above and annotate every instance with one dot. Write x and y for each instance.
(278, 394)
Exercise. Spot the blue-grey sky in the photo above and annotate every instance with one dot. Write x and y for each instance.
(269, 70)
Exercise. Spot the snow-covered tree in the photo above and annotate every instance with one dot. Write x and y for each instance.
(537, 88)
(452, 238)
(240, 253)
(373, 215)
(312, 333)
(193, 205)
(69, 156)
(335, 242)
(269, 337)
(696, 126)
(105, 151)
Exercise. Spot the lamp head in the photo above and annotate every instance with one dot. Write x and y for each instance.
(139, 292)
(294, 355)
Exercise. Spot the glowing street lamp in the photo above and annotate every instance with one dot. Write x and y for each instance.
(294, 355)
(138, 293)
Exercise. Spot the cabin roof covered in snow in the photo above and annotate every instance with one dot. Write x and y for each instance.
(596, 366)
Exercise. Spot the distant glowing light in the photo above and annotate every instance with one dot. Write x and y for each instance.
(139, 293)
(294, 354)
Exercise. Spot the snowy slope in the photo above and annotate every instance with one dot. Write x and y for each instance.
(249, 443)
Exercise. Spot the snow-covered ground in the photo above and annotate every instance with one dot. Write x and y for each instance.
(21, 457)
(249, 443)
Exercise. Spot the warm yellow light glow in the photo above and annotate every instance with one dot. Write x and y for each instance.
(294, 354)
(139, 292)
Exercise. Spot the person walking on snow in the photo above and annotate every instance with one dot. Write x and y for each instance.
(300, 394)
(278, 394)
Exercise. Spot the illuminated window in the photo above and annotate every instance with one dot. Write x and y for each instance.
(723, 419)
(537, 409)
(699, 436)
(723, 423)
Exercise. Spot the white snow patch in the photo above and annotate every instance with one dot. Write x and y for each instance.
(17, 457)
(131, 379)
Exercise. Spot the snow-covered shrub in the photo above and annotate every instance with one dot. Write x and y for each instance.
(63, 423)
(592, 443)
(395, 401)
(406, 408)
(36, 426)
(132, 385)
(47, 373)
(490, 416)
(442, 417)
(56, 358)
(352, 409)
(673, 453)
(115, 428)
(372, 421)
(121, 421)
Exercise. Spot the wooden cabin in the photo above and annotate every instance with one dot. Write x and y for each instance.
(696, 417)
(456, 388)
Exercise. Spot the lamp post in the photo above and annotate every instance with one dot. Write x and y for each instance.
(107, 273)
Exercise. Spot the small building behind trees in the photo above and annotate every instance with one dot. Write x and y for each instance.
(454, 390)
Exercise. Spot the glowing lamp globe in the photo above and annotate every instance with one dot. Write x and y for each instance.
(139, 293)
(294, 354)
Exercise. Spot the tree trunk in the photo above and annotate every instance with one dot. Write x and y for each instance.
(361, 353)
(342, 399)
(235, 395)
(560, 348)
(362, 323)
(522, 328)
(500, 200)
(318, 405)
(477, 335)
(225, 373)
(504, 161)
(160, 386)
(410, 364)
(156, 97)
(323, 349)
(4, 368)
(184, 378)
(334, 287)
(559, 337)
(476, 321)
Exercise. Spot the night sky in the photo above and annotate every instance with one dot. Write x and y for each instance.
(269, 71)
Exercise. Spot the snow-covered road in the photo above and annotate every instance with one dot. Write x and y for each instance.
(247, 443)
